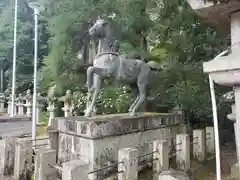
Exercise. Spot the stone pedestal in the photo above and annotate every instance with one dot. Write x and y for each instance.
(20, 109)
(28, 105)
(97, 140)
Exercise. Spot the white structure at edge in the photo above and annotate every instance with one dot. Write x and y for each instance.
(225, 70)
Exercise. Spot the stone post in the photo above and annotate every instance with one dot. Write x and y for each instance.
(40, 104)
(28, 104)
(23, 157)
(20, 105)
(160, 156)
(38, 114)
(2, 101)
(9, 106)
(210, 140)
(51, 108)
(129, 165)
(75, 170)
(199, 147)
(53, 139)
(7, 153)
(44, 158)
(183, 152)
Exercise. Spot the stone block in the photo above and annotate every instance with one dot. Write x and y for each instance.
(183, 152)
(53, 139)
(7, 154)
(199, 147)
(173, 175)
(23, 157)
(97, 140)
(111, 125)
(128, 164)
(45, 158)
(161, 154)
(75, 170)
(210, 140)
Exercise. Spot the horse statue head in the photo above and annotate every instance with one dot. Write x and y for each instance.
(98, 29)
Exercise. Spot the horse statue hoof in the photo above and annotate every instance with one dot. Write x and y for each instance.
(133, 114)
(87, 113)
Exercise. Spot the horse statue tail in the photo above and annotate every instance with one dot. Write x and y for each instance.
(155, 66)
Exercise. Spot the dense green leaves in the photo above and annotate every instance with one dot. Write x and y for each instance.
(164, 31)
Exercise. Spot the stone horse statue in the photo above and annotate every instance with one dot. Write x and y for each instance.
(109, 64)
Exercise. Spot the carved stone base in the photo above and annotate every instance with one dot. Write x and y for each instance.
(96, 140)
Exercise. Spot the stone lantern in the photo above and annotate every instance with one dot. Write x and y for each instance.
(20, 104)
(2, 101)
(68, 103)
(225, 70)
(28, 104)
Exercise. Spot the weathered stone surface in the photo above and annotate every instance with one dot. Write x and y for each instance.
(75, 170)
(129, 165)
(112, 125)
(183, 152)
(210, 140)
(7, 153)
(45, 157)
(199, 145)
(99, 152)
(23, 157)
(161, 149)
(173, 175)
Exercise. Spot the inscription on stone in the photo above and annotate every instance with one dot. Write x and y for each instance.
(71, 126)
(163, 121)
(134, 125)
(83, 129)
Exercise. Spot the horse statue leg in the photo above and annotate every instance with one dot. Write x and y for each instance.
(142, 83)
(133, 104)
(96, 88)
(89, 85)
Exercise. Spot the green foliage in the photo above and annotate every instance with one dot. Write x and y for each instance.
(165, 31)
(112, 99)
(25, 42)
